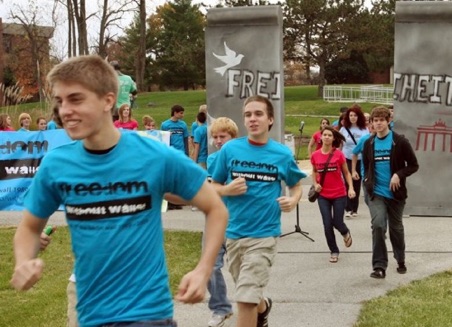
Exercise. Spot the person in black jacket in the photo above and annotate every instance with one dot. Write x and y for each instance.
(388, 160)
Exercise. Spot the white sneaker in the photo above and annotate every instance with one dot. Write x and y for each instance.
(348, 214)
(354, 214)
(218, 320)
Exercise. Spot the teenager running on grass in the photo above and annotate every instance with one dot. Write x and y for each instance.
(222, 130)
(260, 164)
(113, 212)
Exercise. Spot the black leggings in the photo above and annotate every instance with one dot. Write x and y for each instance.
(352, 204)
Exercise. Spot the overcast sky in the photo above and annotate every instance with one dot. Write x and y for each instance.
(59, 40)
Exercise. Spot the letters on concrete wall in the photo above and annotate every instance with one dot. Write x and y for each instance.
(423, 100)
(243, 58)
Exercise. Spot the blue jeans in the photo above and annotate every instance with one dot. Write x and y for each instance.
(155, 323)
(384, 212)
(219, 303)
(332, 211)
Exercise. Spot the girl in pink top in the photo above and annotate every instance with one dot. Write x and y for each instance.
(125, 120)
(333, 194)
(5, 123)
(316, 138)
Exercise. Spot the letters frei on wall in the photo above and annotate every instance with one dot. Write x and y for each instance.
(243, 58)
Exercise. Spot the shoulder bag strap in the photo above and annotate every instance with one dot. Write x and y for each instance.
(351, 135)
(325, 170)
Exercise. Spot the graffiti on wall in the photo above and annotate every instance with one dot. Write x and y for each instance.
(244, 82)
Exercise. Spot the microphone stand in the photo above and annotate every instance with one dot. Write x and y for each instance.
(297, 225)
(298, 228)
(299, 145)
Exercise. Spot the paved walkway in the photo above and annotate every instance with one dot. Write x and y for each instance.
(306, 289)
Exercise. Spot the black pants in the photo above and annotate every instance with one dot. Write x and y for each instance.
(352, 204)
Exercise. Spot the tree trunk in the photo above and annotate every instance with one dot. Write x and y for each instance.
(80, 17)
(102, 50)
(140, 63)
(70, 25)
(322, 64)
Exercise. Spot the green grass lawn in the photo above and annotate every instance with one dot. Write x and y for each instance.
(45, 305)
(424, 303)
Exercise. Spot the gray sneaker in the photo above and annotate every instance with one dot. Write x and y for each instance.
(218, 320)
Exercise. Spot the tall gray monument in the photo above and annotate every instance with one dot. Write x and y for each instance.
(423, 100)
(243, 58)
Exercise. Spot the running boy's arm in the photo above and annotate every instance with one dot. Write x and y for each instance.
(236, 187)
(195, 152)
(45, 239)
(288, 203)
(28, 268)
(193, 285)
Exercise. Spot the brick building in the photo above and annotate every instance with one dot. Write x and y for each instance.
(24, 55)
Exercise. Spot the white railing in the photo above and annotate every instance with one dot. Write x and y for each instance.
(365, 93)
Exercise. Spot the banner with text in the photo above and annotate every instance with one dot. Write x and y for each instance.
(21, 154)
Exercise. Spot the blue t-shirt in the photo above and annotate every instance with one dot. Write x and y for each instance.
(51, 125)
(349, 145)
(114, 217)
(194, 126)
(358, 149)
(200, 137)
(179, 132)
(256, 213)
(382, 156)
(211, 162)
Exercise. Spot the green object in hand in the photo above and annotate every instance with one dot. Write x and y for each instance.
(48, 230)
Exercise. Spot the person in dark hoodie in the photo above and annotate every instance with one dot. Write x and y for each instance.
(388, 160)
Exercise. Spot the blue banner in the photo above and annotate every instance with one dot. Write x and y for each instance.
(21, 154)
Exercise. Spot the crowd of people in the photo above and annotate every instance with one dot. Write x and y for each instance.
(120, 270)
(368, 153)
(42, 124)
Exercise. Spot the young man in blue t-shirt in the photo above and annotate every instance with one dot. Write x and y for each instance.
(388, 159)
(200, 141)
(257, 165)
(178, 129)
(113, 212)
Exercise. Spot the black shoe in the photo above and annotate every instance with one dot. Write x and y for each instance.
(378, 273)
(262, 318)
(401, 269)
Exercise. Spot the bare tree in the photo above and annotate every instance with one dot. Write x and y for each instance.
(140, 63)
(71, 36)
(112, 14)
(79, 10)
(37, 45)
